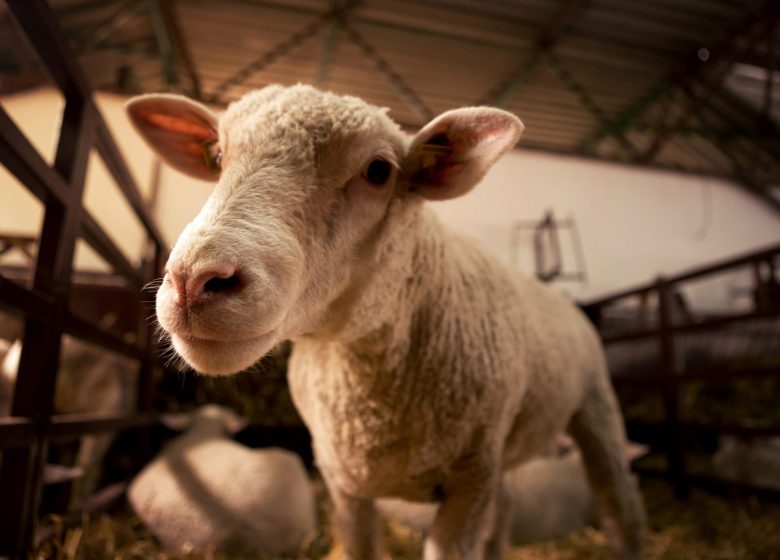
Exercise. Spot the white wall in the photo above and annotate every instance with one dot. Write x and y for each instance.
(38, 114)
(634, 223)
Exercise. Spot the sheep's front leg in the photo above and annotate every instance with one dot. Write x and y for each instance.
(356, 523)
(498, 544)
(465, 520)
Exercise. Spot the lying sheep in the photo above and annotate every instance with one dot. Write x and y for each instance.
(421, 366)
(205, 490)
(5, 346)
(89, 381)
(754, 461)
(550, 498)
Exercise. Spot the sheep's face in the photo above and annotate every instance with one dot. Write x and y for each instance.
(304, 183)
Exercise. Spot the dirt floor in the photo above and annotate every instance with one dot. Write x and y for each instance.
(706, 527)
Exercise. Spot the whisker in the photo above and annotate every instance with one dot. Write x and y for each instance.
(153, 285)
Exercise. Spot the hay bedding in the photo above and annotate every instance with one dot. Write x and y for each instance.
(706, 527)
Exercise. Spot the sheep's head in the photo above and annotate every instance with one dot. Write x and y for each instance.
(305, 181)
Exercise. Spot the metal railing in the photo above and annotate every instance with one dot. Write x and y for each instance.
(667, 377)
(45, 306)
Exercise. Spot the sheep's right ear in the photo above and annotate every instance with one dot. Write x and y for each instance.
(181, 131)
(636, 450)
(453, 152)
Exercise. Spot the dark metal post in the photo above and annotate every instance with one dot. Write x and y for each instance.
(20, 478)
(670, 391)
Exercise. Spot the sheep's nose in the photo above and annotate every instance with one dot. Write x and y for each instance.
(197, 286)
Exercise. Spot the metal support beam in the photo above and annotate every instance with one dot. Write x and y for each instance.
(708, 85)
(328, 49)
(502, 92)
(164, 45)
(21, 474)
(269, 57)
(124, 13)
(726, 102)
(687, 73)
(590, 104)
(771, 66)
(544, 42)
(385, 68)
(81, 8)
(180, 44)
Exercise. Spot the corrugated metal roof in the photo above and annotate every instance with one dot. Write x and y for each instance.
(676, 84)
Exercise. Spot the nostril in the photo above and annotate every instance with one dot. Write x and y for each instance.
(179, 284)
(218, 284)
(195, 287)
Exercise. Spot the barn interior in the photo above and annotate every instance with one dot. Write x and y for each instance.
(646, 187)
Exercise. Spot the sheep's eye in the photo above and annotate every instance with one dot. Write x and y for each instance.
(378, 172)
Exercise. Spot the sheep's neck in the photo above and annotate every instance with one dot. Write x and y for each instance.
(403, 368)
(417, 279)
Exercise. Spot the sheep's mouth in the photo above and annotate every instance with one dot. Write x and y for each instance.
(222, 357)
(219, 343)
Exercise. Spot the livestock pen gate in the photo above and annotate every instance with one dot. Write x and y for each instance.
(710, 373)
(46, 306)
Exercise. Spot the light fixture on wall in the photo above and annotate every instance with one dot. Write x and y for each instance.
(545, 236)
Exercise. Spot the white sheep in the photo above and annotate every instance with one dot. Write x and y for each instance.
(205, 490)
(5, 346)
(754, 461)
(421, 366)
(89, 381)
(550, 498)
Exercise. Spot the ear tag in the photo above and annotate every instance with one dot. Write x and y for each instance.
(212, 155)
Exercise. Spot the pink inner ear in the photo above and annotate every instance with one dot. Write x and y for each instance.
(176, 124)
(437, 175)
(194, 149)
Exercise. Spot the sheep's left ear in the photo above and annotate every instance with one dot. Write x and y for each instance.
(182, 132)
(453, 152)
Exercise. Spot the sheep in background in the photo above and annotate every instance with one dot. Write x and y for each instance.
(90, 380)
(754, 461)
(5, 346)
(204, 490)
(421, 366)
(550, 499)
